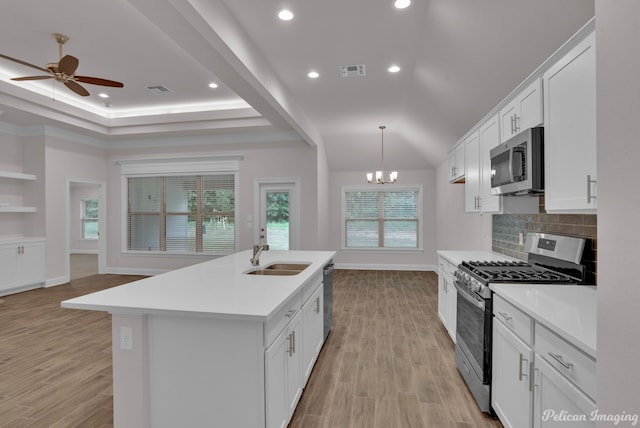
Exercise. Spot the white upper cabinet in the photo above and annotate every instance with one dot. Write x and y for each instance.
(570, 131)
(478, 197)
(456, 163)
(522, 112)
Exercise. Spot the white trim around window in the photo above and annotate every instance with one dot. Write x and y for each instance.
(380, 219)
(168, 167)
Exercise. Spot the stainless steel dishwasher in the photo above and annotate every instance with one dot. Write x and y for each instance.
(327, 280)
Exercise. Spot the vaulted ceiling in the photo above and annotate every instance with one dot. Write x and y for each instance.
(457, 59)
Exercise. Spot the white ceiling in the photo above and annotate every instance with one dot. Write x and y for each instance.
(459, 59)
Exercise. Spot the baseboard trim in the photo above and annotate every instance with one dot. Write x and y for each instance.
(361, 266)
(52, 282)
(135, 271)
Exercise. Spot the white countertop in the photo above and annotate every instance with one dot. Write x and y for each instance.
(569, 310)
(216, 288)
(457, 257)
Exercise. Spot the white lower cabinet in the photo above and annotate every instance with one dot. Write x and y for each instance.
(557, 401)
(283, 364)
(22, 264)
(447, 296)
(312, 330)
(291, 356)
(538, 380)
(511, 396)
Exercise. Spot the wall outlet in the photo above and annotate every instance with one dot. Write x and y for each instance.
(126, 338)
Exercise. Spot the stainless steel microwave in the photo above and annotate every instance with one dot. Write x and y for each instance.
(517, 166)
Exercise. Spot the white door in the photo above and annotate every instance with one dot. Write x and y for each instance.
(278, 215)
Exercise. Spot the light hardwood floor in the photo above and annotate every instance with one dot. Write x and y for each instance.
(388, 362)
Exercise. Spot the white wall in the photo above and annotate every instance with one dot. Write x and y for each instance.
(456, 229)
(618, 111)
(425, 259)
(278, 160)
(65, 160)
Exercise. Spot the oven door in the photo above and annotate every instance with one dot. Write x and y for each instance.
(473, 331)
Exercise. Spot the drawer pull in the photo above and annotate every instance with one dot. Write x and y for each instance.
(560, 360)
(290, 313)
(505, 315)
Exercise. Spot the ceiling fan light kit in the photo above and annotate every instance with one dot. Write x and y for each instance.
(64, 70)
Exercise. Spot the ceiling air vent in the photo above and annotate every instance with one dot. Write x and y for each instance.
(158, 89)
(353, 70)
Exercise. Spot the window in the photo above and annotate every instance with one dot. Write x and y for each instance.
(381, 218)
(89, 219)
(182, 213)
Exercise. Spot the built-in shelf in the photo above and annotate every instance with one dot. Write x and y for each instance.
(17, 209)
(17, 175)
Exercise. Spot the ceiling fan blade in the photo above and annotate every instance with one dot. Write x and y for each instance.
(24, 63)
(77, 88)
(20, 79)
(98, 81)
(68, 64)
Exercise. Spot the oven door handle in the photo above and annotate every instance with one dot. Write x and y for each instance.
(462, 293)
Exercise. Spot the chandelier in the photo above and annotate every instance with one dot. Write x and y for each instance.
(379, 177)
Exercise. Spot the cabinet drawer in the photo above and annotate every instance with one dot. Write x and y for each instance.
(445, 267)
(567, 359)
(519, 322)
(311, 286)
(281, 318)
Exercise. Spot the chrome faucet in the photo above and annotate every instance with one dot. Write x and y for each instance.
(258, 249)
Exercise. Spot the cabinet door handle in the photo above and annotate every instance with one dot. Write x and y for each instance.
(318, 305)
(532, 375)
(560, 360)
(506, 316)
(589, 182)
(290, 349)
(516, 127)
(512, 117)
(293, 341)
(520, 374)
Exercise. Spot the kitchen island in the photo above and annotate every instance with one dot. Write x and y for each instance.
(210, 345)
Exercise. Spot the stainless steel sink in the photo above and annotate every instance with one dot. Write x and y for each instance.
(283, 269)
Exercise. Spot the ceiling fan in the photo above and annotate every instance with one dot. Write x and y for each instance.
(64, 71)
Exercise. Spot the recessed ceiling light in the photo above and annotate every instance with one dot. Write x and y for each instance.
(213, 85)
(285, 15)
(393, 69)
(401, 4)
(103, 95)
(313, 74)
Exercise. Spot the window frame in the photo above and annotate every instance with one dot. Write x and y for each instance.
(382, 189)
(200, 166)
(83, 219)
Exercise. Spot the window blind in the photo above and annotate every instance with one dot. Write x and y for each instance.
(184, 214)
(381, 219)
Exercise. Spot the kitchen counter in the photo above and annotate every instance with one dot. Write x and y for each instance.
(217, 288)
(210, 343)
(568, 310)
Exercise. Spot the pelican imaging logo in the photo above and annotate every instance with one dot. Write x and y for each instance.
(627, 419)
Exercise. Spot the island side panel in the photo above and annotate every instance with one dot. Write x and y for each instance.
(206, 372)
(131, 407)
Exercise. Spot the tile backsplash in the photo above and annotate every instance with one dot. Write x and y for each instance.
(507, 227)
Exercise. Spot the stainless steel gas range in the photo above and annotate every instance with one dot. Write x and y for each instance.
(551, 259)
